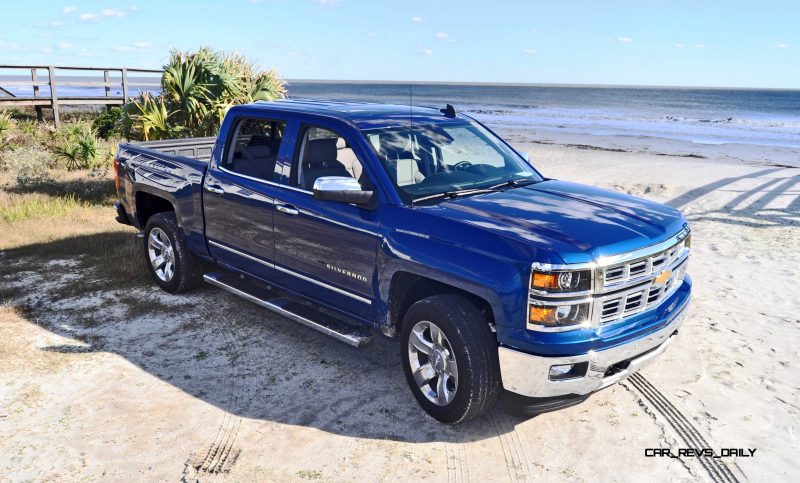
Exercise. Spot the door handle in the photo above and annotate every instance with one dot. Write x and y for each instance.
(288, 209)
(216, 189)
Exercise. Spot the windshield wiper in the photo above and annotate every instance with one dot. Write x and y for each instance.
(454, 194)
(513, 183)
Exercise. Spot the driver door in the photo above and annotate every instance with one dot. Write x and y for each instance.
(326, 249)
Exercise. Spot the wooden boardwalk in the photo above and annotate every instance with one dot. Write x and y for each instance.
(53, 78)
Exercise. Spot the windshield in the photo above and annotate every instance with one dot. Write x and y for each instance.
(427, 160)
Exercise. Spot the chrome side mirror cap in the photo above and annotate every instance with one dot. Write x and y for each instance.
(343, 189)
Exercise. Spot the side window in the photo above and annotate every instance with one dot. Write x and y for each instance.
(254, 147)
(324, 153)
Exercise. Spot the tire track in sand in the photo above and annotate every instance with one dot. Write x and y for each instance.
(716, 469)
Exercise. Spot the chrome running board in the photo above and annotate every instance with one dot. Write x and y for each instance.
(308, 316)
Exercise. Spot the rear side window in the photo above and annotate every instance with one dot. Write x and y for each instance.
(254, 148)
(324, 152)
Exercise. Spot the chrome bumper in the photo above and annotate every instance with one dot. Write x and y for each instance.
(528, 375)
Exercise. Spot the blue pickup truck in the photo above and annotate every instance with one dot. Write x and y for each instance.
(358, 219)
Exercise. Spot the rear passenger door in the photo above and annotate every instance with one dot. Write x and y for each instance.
(326, 249)
(239, 195)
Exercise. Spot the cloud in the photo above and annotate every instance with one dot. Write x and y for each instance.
(46, 50)
(781, 46)
(445, 37)
(69, 9)
(529, 51)
(680, 46)
(65, 45)
(106, 13)
(136, 47)
(327, 3)
(10, 46)
(699, 46)
(110, 12)
(372, 34)
(427, 51)
(416, 19)
(624, 40)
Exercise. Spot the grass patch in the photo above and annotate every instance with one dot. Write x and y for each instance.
(20, 208)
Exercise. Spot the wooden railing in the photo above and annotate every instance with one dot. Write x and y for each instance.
(52, 101)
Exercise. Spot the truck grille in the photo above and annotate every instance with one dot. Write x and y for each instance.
(641, 269)
(638, 299)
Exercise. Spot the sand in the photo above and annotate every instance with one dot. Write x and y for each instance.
(142, 385)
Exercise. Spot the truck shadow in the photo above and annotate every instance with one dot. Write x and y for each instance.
(220, 349)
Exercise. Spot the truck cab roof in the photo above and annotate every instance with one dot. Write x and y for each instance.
(365, 115)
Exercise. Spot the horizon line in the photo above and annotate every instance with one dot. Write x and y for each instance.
(530, 84)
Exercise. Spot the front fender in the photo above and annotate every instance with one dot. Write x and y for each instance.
(491, 267)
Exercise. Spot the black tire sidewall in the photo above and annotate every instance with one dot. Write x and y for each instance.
(475, 353)
(185, 264)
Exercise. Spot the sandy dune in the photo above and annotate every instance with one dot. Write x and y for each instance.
(121, 383)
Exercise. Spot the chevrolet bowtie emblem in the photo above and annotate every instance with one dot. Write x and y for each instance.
(662, 277)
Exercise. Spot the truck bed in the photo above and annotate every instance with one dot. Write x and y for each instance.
(195, 148)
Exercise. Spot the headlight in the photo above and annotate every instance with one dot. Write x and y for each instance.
(561, 281)
(559, 315)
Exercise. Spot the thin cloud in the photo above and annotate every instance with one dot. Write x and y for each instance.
(106, 13)
(445, 37)
(372, 34)
(46, 50)
(427, 51)
(136, 47)
(624, 40)
(69, 9)
(10, 46)
(781, 46)
(110, 12)
(327, 3)
(529, 51)
(416, 19)
(65, 45)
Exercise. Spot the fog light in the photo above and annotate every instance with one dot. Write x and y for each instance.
(568, 371)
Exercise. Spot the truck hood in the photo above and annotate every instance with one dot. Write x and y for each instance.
(580, 223)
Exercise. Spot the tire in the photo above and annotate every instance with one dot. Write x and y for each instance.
(468, 341)
(180, 270)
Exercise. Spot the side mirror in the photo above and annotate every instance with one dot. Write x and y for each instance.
(343, 189)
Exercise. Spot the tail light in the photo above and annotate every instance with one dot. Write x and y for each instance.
(116, 174)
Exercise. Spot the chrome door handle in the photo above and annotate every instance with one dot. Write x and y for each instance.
(288, 209)
(217, 190)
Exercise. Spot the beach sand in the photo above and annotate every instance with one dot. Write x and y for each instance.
(207, 383)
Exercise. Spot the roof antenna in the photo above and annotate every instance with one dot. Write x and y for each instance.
(410, 105)
(448, 111)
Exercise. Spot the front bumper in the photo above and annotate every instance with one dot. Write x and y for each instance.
(528, 374)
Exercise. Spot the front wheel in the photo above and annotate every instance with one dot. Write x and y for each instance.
(450, 358)
(173, 268)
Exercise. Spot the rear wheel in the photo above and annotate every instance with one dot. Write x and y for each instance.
(173, 268)
(450, 358)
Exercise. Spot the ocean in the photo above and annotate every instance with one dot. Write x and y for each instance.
(700, 116)
(697, 115)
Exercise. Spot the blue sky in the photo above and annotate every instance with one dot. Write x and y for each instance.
(694, 43)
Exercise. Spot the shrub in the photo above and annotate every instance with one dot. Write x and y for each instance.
(108, 123)
(197, 89)
(31, 164)
(76, 145)
(6, 124)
